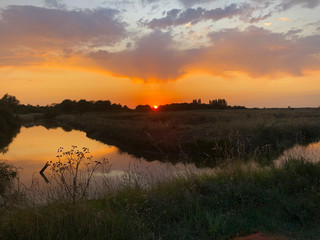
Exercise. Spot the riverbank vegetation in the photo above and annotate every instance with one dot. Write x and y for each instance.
(204, 137)
(245, 192)
(9, 123)
(8, 175)
(237, 200)
(204, 134)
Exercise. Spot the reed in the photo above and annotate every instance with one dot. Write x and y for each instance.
(235, 200)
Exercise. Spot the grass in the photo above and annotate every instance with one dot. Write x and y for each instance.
(247, 194)
(237, 200)
(205, 137)
(8, 173)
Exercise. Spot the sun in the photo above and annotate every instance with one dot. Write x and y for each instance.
(155, 107)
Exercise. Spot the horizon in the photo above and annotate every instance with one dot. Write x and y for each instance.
(156, 52)
(156, 107)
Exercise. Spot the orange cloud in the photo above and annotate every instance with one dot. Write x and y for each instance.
(283, 19)
(254, 51)
(32, 36)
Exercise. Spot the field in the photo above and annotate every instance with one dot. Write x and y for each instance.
(244, 194)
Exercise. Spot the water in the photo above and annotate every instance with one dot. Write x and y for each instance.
(310, 152)
(35, 146)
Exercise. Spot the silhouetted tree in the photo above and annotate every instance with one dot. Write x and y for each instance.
(67, 105)
(11, 101)
(143, 108)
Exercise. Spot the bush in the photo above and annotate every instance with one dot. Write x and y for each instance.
(7, 175)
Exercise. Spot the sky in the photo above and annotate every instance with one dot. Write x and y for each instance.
(256, 53)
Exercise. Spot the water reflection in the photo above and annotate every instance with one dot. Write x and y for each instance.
(35, 146)
(310, 152)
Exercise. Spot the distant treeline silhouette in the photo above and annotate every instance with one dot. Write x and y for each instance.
(66, 106)
(195, 105)
(81, 106)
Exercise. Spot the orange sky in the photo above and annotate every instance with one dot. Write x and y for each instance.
(248, 53)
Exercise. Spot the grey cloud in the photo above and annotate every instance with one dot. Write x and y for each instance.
(154, 58)
(286, 4)
(315, 24)
(254, 51)
(293, 32)
(260, 52)
(190, 3)
(34, 26)
(54, 3)
(177, 17)
(148, 1)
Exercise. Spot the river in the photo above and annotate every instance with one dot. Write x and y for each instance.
(33, 147)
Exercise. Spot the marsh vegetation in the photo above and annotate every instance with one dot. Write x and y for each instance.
(204, 137)
(245, 192)
(237, 200)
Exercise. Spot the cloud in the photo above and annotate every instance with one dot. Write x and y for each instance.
(54, 3)
(176, 17)
(315, 24)
(35, 27)
(190, 3)
(153, 59)
(149, 1)
(287, 4)
(260, 52)
(33, 34)
(284, 19)
(255, 51)
(293, 32)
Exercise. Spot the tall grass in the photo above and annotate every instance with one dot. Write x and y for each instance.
(236, 200)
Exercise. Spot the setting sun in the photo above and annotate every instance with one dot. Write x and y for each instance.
(155, 107)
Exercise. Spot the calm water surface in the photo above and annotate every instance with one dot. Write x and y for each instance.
(35, 146)
(310, 152)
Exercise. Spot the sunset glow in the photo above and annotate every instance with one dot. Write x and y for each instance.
(249, 52)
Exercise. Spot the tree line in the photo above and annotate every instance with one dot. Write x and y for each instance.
(81, 106)
(196, 104)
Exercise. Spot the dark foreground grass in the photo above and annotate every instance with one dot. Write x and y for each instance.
(237, 200)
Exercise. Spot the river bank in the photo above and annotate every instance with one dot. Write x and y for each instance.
(239, 200)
